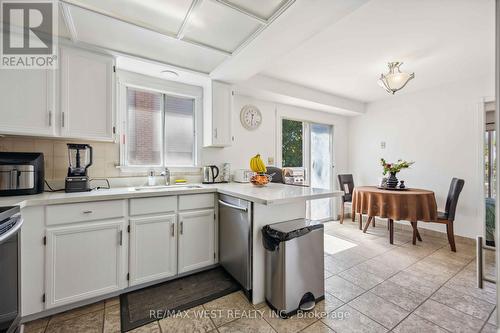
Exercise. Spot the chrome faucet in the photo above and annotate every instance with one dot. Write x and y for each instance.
(166, 175)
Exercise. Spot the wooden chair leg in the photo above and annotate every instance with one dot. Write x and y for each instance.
(414, 238)
(418, 236)
(391, 231)
(360, 222)
(367, 224)
(451, 236)
(373, 222)
(342, 211)
(353, 216)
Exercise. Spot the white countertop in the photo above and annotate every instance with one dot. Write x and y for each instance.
(274, 193)
(267, 195)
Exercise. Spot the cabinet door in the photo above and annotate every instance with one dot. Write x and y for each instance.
(196, 240)
(221, 114)
(84, 260)
(153, 248)
(26, 103)
(86, 95)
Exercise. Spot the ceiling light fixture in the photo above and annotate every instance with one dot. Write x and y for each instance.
(169, 73)
(394, 80)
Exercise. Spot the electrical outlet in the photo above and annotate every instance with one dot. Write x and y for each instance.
(382, 145)
(270, 160)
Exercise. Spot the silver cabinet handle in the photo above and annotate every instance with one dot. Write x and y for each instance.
(50, 118)
(87, 212)
(62, 120)
(223, 203)
(182, 228)
(215, 133)
(120, 235)
(479, 262)
(172, 229)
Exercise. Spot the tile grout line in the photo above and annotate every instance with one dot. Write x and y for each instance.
(211, 320)
(487, 319)
(428, 298)
(368, 290)
(367, 258)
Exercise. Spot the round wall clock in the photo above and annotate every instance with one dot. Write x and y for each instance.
(250, 117)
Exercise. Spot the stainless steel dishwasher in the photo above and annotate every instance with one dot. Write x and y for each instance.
(235, 239)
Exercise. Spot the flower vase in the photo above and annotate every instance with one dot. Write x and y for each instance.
(392, 181)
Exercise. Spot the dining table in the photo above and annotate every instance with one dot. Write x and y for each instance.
(408, 204)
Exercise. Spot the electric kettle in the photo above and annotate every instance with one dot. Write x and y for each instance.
(210, 173)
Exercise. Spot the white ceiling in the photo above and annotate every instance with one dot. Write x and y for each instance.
(334, 47)
(441, 41)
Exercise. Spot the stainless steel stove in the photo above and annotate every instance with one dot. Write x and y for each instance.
(10, 226)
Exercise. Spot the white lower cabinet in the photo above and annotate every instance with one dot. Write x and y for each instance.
(153, 248)
(196, 240)
(84, 260)
(89, 253)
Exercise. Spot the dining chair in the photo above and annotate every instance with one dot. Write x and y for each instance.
(448, 216)
(276, 173)
(346, 182)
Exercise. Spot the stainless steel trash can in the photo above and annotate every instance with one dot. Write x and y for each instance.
(294, 265)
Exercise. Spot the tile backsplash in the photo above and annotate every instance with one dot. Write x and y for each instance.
(106, 156)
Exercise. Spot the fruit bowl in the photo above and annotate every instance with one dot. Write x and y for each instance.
(260, 179)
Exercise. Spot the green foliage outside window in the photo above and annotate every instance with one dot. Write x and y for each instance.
(292, 143)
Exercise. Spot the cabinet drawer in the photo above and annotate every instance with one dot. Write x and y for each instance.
(154, 205)
(86, 211)
(196, 201)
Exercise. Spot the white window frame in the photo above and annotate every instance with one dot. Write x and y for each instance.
(167, 88)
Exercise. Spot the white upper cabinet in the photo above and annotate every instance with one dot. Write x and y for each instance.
(86, 95)
(27, 103)
(217, 120)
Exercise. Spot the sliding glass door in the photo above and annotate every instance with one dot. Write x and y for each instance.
(309, 146)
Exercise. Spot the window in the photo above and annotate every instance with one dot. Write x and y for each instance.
(292, 143)
(490, 164)
(160, 129)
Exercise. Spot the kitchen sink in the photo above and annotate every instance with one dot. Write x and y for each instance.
(165, 187)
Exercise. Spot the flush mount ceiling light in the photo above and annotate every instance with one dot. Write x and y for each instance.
(169, 73)
(394, 80)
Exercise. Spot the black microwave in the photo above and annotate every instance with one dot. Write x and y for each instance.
(21, 173)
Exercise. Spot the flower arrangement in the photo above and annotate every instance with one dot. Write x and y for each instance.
(394, 168)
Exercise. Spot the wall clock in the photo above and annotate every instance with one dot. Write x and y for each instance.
(250, 117)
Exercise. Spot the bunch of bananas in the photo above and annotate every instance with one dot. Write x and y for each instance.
(257, 165)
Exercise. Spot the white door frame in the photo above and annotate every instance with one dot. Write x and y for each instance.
(497, 127)
(480, 158)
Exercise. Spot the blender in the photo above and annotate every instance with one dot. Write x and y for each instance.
(80, 158)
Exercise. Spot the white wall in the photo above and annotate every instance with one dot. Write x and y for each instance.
(263, 140)
(439, 129)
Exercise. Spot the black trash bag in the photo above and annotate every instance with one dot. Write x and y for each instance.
(271, 238)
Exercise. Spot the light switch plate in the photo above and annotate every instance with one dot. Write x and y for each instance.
(270, 160)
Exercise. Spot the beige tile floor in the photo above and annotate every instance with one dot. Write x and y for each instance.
(370, 287)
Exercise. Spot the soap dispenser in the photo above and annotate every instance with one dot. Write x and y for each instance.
(151, 178)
